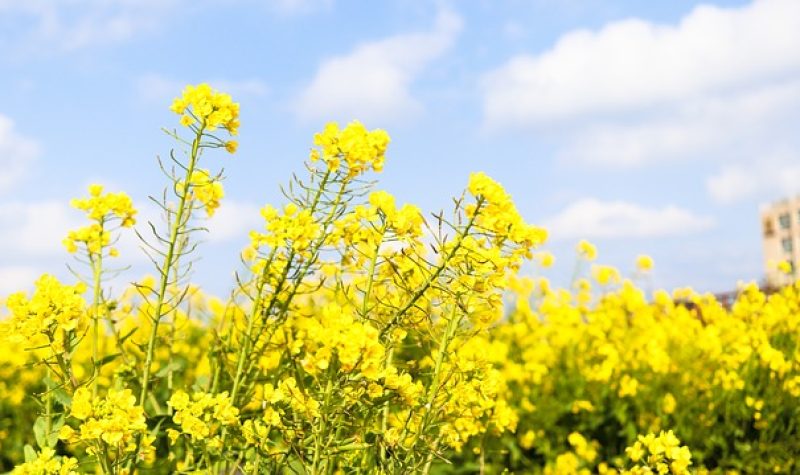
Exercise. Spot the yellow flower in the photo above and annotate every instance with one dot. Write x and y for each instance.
(587, 250)
(360, 149)
(668, 403)
(208, 107)
(54, 308)
(231, 146)
(644, 263)
(47, 463)
(101, 209)
(785, 267)
(114, 421)
(205, 189)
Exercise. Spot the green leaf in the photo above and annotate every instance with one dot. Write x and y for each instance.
(201, 383)
(52, 437)
(124, 337)
(30, 454)
(39, 431)
(62, 397)
(174, 366)
(107, 359)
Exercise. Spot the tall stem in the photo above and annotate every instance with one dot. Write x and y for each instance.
(439, 269)
(97, 273)
(168, 263)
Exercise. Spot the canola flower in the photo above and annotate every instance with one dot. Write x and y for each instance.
(47, 462)
(360, 149)
(203, 107)
(364, 335)
(102, 210)
(50, 318)
(108, 425)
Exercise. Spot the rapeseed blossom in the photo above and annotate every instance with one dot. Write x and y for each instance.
(205, 190)
(360, 149)
(203, 107)
(365, 335)
(48, 315)
(103, 210)
(108, 425)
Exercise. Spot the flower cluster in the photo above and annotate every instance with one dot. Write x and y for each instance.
(204, 189)
(500, 215)
(110, 425)
(359, 148)
(47, 462)
(202, 416)
(102, 210)
(295, 228)
(365, 336)
(660, 454)
(203, 107)
(48, 315)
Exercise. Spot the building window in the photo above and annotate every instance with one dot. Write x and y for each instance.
(787, 244)
(769, 229)
(785, 220)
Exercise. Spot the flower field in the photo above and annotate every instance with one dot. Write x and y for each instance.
(368, 336)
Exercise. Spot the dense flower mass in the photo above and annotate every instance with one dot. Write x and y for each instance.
(360, 149)
(363, 335)
(658, 454)
(104, 211)
(203, 107)
(110, 425)
(206, 190)
(47, 316)
(47, 462)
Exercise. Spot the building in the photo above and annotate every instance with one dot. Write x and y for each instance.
(780, 227)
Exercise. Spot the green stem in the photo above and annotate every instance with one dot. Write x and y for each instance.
(97, 273)
(371, 272)
(309, 262)
(452, 324)
(166, 267)
(176, 229)
(321, 433)
(435, 275)
(248, 337)
(48, 408)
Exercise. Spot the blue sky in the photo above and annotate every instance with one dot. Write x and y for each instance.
(645, 127)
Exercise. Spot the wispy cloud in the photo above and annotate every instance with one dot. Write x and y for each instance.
(35, 228)
(373, 81)
(722, 85)
(154, 87)
(774, 176)
(17, 152)
(592, 218)
(633, 64)
(67, 26)
(16, 278)
(234, 220)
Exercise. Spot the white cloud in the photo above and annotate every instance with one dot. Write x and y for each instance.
(723, 126)
(773, 177)
(157, 88)
(300, 6)
(592, 218)
(234, 220)
(372, 83)
(632, 64)
(722, 85)
(35, 229)
(16, 153)
(67, 26)
(16, 278)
